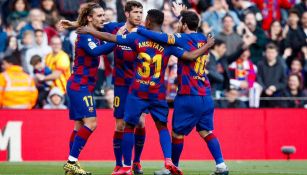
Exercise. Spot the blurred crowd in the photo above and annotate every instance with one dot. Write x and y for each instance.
(259, 58)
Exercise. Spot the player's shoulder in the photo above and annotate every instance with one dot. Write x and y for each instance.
(110, 26)
(85, 36)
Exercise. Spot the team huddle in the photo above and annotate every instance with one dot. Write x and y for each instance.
(141, 56)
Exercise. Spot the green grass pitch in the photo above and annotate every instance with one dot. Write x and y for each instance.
(189, 167)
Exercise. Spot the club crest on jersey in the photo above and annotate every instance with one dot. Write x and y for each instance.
(92, 45)
(91, 109)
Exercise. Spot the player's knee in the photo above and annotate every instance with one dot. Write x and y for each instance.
(161, 125)
(120, 125)
(177, 136)
(92, 125)
(204, 133)
(141, 123)
(129, 126)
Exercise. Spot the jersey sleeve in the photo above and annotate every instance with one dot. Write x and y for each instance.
(172, 39)
(111, 27)
(176, 51)
(87, 43)
(127, 40)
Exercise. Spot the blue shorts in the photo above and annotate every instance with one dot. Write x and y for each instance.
(191, 111)
(82, 104)
(120, 96)
(135, 106)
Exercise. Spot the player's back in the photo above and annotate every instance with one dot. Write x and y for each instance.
(151, 62)
(192, 79)
(85, 66)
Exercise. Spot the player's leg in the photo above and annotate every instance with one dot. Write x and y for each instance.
(77, 126)
(139, 140)
(133, 110)
(205, 128)
(82, 104)
(159, 111)
(184, 120)
(120, 95)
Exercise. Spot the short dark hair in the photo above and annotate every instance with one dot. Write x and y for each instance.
(155, 16)
(271, 46)
(38, 30)
(294, 11)
(191, 19)
(35, 59)
(131, 4)
(226, 16)
(218, 42)
(14, 58)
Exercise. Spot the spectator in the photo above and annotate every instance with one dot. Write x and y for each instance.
(55, 99)
(293, 90)
(218, 64)
(42, 86)
(276, 35)
(67, 37)
(69, 9)
(296, 37)
(243, 78)
(58, 62)
(271, 75)
(12, 46)
(198, 5)
(3, 37)
(243, 7)
(51, 12)
(110, 15)
(301, 7)
(37, 18)
(229, 36)
(261, 40)
(40, 48)
(17, 89)
(214, 74)
(270, 10)
(19, 12)
(212, 18)
(232, 100)
(168, 19)
(27, 43)
(297, 68)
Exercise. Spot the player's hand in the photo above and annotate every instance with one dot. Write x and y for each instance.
(269, 92)
(210, 40)
(177, 8)
(66, 24)
(83, 30)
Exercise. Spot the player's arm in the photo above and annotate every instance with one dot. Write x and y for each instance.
(192, 55)
(87, 43)
(172, 39)
(100, 35)
(127, 40)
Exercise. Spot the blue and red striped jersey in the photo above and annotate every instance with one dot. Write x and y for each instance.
(87, 56)
(151, 62)
(123, 72)
(192, 79)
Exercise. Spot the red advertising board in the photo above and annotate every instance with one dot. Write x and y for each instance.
(243, 134)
